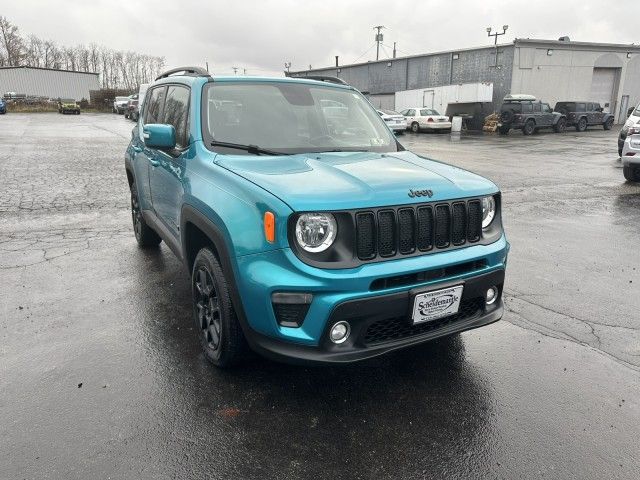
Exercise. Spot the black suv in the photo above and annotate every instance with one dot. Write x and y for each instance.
(583, 114)
(525, 113)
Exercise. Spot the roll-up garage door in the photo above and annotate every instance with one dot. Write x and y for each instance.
(603, 87)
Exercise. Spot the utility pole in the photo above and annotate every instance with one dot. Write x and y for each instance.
(495, 37)
(379, 37)
(235, 70)
(287, 65)
(394, 49)
(337, 60)
(207, 66)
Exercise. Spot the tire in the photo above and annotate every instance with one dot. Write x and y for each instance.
(126, 115)
(631, 174)
(216, 322)
(145, 235)
(560, 126)
(581, 126)
(415, 127)
(529, 127)
(503, 130)
(608, 124)
(620, 152)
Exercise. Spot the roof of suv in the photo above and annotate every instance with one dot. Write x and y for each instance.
(191, 79)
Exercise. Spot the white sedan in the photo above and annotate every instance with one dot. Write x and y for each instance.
(394, 120)
(631, 155)
(421, 118)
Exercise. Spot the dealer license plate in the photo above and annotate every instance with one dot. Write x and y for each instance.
(430, 306)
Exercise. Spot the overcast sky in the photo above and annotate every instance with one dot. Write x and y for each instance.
(261, 35)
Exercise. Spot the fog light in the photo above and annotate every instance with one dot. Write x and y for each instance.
(339, 332)
(492, 295)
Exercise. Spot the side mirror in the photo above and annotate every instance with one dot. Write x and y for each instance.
(157, 135)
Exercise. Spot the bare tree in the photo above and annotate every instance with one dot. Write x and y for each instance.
(118, 69)
(11, 43)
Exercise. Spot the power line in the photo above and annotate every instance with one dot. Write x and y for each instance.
(397, 49)
(365, 52)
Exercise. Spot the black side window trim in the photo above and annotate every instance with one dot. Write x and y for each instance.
(176, 151)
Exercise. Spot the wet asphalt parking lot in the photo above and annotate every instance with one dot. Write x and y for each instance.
(101, 375)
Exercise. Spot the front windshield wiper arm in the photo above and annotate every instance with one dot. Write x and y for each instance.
(253, 149)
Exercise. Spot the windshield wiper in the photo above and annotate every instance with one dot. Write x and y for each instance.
(253, 149)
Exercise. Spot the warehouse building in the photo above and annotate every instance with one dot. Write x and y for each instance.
(47, 83)
(552, 70)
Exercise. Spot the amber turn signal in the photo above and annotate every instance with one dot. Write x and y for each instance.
(269, 227)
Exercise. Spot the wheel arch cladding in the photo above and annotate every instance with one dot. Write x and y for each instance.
(199, 231)
(207, 234)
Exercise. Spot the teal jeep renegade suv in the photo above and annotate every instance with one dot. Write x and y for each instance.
(309, 232)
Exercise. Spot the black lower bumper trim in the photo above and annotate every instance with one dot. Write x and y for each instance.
(368, 312)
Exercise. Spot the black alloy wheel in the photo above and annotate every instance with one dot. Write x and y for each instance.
(529, 127)
(207, 309)
(581, 126)
(560, 126)
(145, 235)
(221, 336)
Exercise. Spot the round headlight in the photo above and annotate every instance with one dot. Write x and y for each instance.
(488, 211)
(316, 232)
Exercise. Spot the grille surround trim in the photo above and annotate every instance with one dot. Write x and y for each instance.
(344, 252)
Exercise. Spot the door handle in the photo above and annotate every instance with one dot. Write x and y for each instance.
(154, 163)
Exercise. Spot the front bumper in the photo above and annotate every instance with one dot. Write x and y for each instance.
(349, 294)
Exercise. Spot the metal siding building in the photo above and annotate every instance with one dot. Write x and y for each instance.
(552, 70)
(44, 82)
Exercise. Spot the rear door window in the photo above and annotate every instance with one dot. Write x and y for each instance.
(581, 107)
(527, 108)
(536, 108)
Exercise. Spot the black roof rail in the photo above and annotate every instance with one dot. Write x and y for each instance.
(189, 71)
(326, 78)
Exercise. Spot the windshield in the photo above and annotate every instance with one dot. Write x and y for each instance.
(428, 111)
(293, 118)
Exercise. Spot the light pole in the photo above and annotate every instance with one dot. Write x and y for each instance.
(495, 39)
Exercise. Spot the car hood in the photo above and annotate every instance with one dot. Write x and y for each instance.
(339, 181)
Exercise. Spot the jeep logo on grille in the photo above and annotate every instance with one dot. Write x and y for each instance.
(421, 193)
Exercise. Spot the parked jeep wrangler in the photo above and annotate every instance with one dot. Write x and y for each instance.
(526, 113)
(583, 114)
(309, 232)
(67, 105)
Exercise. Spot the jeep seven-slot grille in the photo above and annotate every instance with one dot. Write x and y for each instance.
(405, 230)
